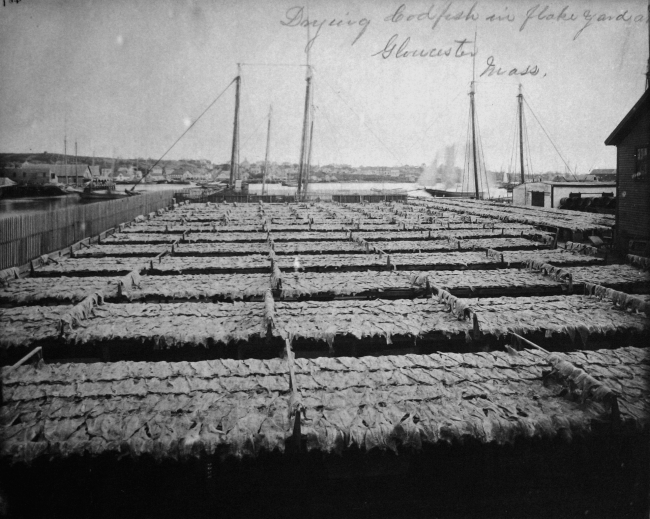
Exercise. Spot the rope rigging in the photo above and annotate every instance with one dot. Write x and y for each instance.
(363, 121)
(467, 153)
(528, 156)
(482, 160)
(513, 146)
(247, 105)
(183, 134)
(423, 135)
(548, 136)
(334, 130)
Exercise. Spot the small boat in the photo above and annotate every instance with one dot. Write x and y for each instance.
(212, 185)
(72, 190)
(104, 189)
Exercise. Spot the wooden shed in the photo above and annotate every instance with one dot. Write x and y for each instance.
(550, 194)
(631, 138)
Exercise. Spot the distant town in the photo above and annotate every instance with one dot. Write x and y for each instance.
(50, 167)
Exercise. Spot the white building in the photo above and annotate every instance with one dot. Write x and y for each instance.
(549, 194)
(155, 175)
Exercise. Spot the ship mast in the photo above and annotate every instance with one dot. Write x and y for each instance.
(520, 109)
(234, 157)
(472, 106)
(473, 116)
(65, 157)
(266, 156)
(76, 180)
(303, 144)
(65, 147)
(311, 137)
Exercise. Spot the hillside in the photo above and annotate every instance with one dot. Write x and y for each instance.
(7, 159)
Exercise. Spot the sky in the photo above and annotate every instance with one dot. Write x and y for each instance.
(126, 78)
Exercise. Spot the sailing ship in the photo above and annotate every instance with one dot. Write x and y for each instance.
(508, 184)
(215, 187)
(104, 189)
(235, 184)
(472, 150)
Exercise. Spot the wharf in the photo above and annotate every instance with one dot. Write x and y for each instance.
(211, 332)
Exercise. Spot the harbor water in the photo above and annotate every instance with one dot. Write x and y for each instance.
(14, 206)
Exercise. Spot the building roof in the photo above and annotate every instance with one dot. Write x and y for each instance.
(6, 182)
(70, 169)
(624, 127)
(568, 184)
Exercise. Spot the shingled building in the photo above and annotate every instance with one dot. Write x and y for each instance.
(631, 138)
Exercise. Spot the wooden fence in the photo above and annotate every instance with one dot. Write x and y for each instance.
(24, 237)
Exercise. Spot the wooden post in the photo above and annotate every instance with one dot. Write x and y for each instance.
(476, 332)
(35, 351)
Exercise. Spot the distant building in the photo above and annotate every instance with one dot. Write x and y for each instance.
(276, 173)
(175, 176)
(74, 173)
(28, 173)
(29, 176)
(179, 175)
(156, 174)
(632, 140)
(602, 175)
